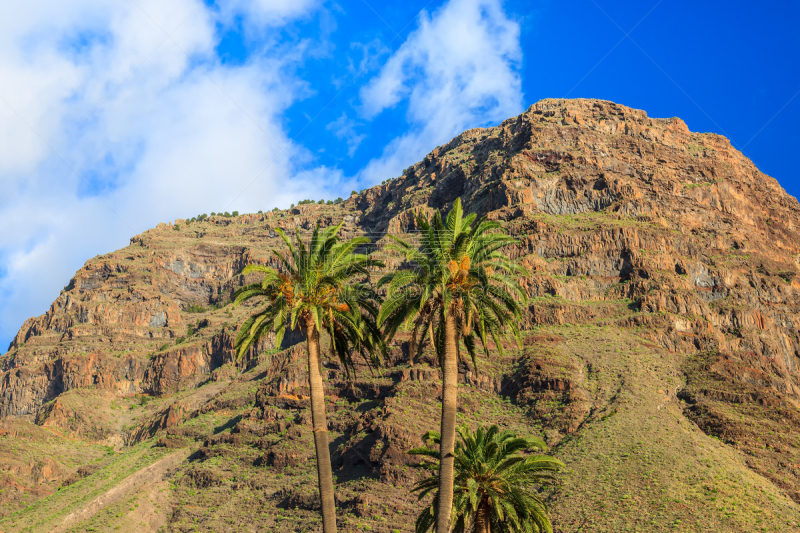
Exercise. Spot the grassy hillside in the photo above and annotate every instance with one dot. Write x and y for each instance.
(659, 360)
(244, 459)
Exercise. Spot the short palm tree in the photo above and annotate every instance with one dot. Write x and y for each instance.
(316, 290)
(496, 484)
(459, 287)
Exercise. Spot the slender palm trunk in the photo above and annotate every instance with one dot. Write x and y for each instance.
(482, 519)
(448, 429)
(320, 425)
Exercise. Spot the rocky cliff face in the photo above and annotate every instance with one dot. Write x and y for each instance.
(670, 238)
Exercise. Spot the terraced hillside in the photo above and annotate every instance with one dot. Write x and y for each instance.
(660, 356)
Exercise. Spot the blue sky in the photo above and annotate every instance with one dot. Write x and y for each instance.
(118, 115)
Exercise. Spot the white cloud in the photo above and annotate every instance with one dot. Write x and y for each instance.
(345, 128)
(459, 69)
(263, 13)
(148, 125)
(154, 124)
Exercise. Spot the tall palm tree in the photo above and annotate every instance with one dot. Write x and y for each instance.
(459, 287)
(495, 485)
(317, 289)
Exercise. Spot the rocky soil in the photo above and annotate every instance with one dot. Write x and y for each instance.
(660, 359)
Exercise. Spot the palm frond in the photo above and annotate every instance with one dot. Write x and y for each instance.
(491, 467)
(317, 284)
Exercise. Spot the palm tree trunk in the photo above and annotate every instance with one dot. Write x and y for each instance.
(320, 426)
(448, 428)
(482, 519)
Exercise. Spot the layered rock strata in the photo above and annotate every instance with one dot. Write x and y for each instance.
(609, 206)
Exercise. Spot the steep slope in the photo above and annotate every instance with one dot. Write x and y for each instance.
(660, 359)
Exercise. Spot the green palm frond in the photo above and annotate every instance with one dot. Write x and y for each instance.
(320, 281)
(493, 468)
(486, 297)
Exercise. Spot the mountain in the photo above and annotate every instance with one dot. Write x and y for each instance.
(660, 357)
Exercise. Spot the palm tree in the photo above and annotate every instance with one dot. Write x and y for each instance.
(460, 287)
(317, 290)
(495, 485)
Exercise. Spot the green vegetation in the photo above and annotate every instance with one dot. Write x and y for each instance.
(496, 483)
(463, 287)
(318, 292)
(49, 513)
(197, 308)
(200, 218)
(319, 202)
(657, 438)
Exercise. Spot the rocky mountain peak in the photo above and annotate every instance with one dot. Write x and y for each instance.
(664, 293)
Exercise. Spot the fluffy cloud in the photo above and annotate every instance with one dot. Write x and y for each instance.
(260, 14)
(346, 129)
(120, 112)
(115, 116)
(459, 69)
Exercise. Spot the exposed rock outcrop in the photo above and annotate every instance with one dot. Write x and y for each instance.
(613, 210)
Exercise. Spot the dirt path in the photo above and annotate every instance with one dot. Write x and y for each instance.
(152, 475)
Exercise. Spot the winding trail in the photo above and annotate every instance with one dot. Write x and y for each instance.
(151, 475)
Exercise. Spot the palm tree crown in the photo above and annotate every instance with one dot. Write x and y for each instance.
(317, 286)
(458, 269)
(495, 487)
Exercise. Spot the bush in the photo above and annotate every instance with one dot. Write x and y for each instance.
(176, 227)
(213, 214)
(235, 214)
(338, 200)
(195, 309)
(291, 206)
(276, 209)
(179, 340)
(163, 347)
(353, 193)
(226, 214)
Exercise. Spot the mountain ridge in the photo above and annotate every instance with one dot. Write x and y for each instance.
(663, 275)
